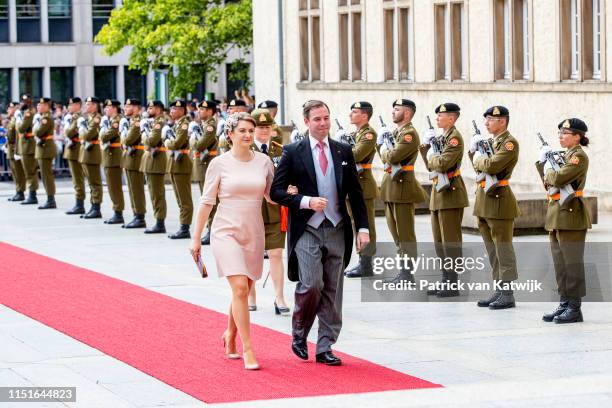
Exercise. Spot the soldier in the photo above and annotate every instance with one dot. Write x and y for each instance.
(71, 154)
(400, 190)
(111, 157)
(26, 147)
(567, 224)
(277, 133)
(364, 151)
(43, 128)
(90, 156)
(497, 208)
(154, 163)
(205, 149)
(13, 157)
(447, 205)
(129, 129)
(180, 166)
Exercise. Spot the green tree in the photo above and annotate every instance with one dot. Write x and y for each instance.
(192, 35)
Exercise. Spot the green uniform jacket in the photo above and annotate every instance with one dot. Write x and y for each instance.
(154, 162)
(277, 134)
(270, 212)
(45, 149)
(406, 189)
(180, 163)
(500, 203)
(574, 215)
(26, 143)
(11, 136)
(111, 156)
(455, 196)
(132, 158)
(207, 142)
(72, 152)
(90, 153)
(364, 152)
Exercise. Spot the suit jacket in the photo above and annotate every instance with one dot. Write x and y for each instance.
(296, 167)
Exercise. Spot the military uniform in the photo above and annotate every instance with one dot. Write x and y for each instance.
(180, 167)
(132, 159)
(154, 163)
(567, 226)
(45, 153)
(497, 209)
(14, 159)
(447, 205)
(90, 158)
(26, 147)
(111, 159)
(71, 154)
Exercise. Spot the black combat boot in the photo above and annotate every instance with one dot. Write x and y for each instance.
(158, 228)
(79, 208)
(363, 269)
(405, 274)
(505, 300)
(31, 199)
(137, 222)
(94, 212)
(572, 314)
(49, 204)
(355, 271)
(563, 303)
(19, 196)
(487, 302)
(206, 238)
(117, 218)
(434, 292)
(182, 233)
(448, 290)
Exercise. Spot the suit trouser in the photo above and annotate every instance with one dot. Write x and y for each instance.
(135, 180)
(567, 249)
(30, 168)
(94, 178)
(320, 255)
(211, 217)
(370, 249)
(157, 193)
(78, 180)
(182, 190)
(114, 187)
(497, 237)
(446, 229)
(18, 175)
(400, 219)
(48, 178)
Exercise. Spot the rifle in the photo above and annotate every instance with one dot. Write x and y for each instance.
(442, 178)
(394, 169)
(295, 133)
(555, 160)
(345, 137)
(485, 149)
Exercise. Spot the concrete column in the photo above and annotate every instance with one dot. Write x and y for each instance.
(12, 21)
(44, 21)
(150, 85)
(120, 78)
(15, 84)
(46, 78)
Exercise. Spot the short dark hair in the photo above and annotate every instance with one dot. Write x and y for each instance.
(313, 104)
(368, 110)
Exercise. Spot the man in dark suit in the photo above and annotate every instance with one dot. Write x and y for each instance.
(320, 233)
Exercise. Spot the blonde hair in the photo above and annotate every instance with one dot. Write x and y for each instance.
(232, 122)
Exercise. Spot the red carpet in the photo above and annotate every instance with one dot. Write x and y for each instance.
(174, 341)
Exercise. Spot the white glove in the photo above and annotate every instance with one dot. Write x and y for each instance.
(17, 157)
(339, 135)
(430, 154)
(543, 151)
(430, 134)
(477, 155)
(381, 132)
(474, 142)
(383, 149)
(547, 166)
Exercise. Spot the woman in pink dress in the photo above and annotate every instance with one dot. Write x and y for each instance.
(240, 178)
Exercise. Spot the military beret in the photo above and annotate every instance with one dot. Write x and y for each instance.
(44, 100)
(157, 103)
(92, 99)
(112, 102)
(361, 105)
(208, 105)
(407, 103)
(448, 107)
(574, 124)
(262, 117)
(13, 104)
(497, 112)
(237, 102)
(179, 103)
(267, 104)
(132, 102)
(74, 99)
(25, 97)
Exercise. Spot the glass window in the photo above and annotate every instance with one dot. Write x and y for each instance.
(310, 40)
(135, 84)
(30, 82)
(105, 82)
(62, 84)
(28, 20)
(4, 21)
(100, 12)
(60, 20)
(5, 88)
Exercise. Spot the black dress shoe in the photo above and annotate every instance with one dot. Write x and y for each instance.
(504, 301)
(549, 317)
(137, 222)
(19, 196)
(182, 233)
(158, 228)
(94, 212)
(79, 208)
(206, 238)
(31, 199)
(50, 204)
(329, 359)
(355, 271)
(117, 218)
(487, 302)
(300, 348)
(572, 314)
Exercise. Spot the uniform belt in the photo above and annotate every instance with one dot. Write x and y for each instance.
(46, 137)
(557, 197)
(197, 155)
(162, 149)
(365, 166)
(115, 144)
(93, 142)
(184, 151)
(455, 173)
(137, 147)
(28, 135)
(75, 139)
(409, 167)
(500, 183)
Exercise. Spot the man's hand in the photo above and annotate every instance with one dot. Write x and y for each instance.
(293, 190)
(363, 239)
(318, 203)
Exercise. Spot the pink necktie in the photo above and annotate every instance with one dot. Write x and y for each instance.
(322, 157)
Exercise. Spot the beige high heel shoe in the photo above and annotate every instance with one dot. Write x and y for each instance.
(231, 356)
(254, 366)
